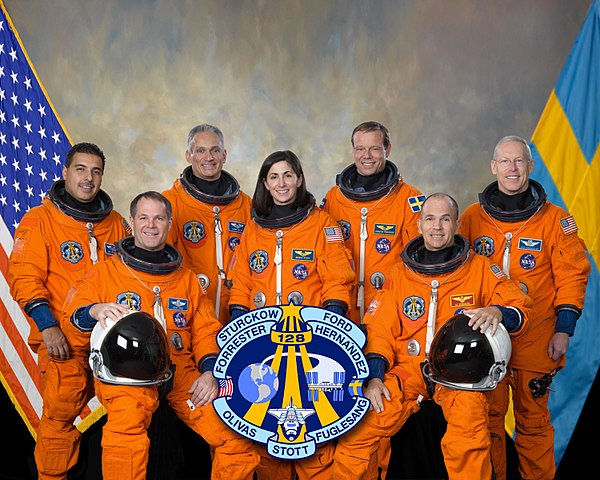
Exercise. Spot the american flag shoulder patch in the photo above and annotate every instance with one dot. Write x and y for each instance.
(333, 234)
(496, 270)
(126, 225)
(568, 225)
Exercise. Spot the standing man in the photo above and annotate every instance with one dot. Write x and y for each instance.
(147, 275)
(210, 213)
(55, 244)
(376, 210)
(437, 278)
(537, 244)
(378, 214)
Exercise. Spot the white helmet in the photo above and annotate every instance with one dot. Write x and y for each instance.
(467, 359)
(132, 351)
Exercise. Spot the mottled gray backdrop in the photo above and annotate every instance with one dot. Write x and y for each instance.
(448, 77)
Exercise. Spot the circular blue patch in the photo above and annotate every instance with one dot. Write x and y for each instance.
(233, 242)
(130, 299)
(300, 272)
(527, 261)
(179, 319)
(71, 251)
(383, 245)
(193, 231)
(312, 362)
(484, 246)
(259, 260)
(413, 307)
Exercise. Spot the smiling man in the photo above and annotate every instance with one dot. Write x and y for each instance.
(147, 275)
(55, 244)
(437, 278)
(537, 244)
(377, 212)
(210, 213)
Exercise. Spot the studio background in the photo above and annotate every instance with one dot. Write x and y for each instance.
(448, 78)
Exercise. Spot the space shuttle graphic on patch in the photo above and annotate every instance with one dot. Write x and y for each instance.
(291, 419)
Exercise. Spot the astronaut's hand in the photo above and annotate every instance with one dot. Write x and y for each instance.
(204, 389)
(56, 343)
(112, 311)
(484, 318)
(375, 391)
(558, 346)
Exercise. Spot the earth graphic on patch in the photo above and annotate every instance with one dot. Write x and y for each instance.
(258, 383)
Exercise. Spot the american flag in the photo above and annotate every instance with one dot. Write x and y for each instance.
(33, 146)
(225, 387)
(334, 234)
(568, 224)
(496, 270)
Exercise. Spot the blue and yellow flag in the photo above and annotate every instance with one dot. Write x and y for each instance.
(567, 163)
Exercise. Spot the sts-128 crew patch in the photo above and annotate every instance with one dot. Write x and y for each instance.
(259, 260)
(71, 251)
(193, 231)
(291, 378)
(413, 307)
(484, 246)
(130, 299)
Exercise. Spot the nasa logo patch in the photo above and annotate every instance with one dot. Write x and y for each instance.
(383, 245)
(527, 261)
(179, 319)
(300, 272)
(290, 377)
(233, 242)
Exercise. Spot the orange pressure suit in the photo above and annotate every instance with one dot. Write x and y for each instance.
(377, 224)
(315, 269)
(385, 217)
(203, 223)
(538, 246)
(397, 322)
(191, 329)
(55, 245)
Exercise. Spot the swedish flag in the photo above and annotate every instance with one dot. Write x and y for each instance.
(567, 163)
(416, 203)
(355, 388)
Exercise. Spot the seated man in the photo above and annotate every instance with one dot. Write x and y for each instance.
(146, 275)
(436, 279)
